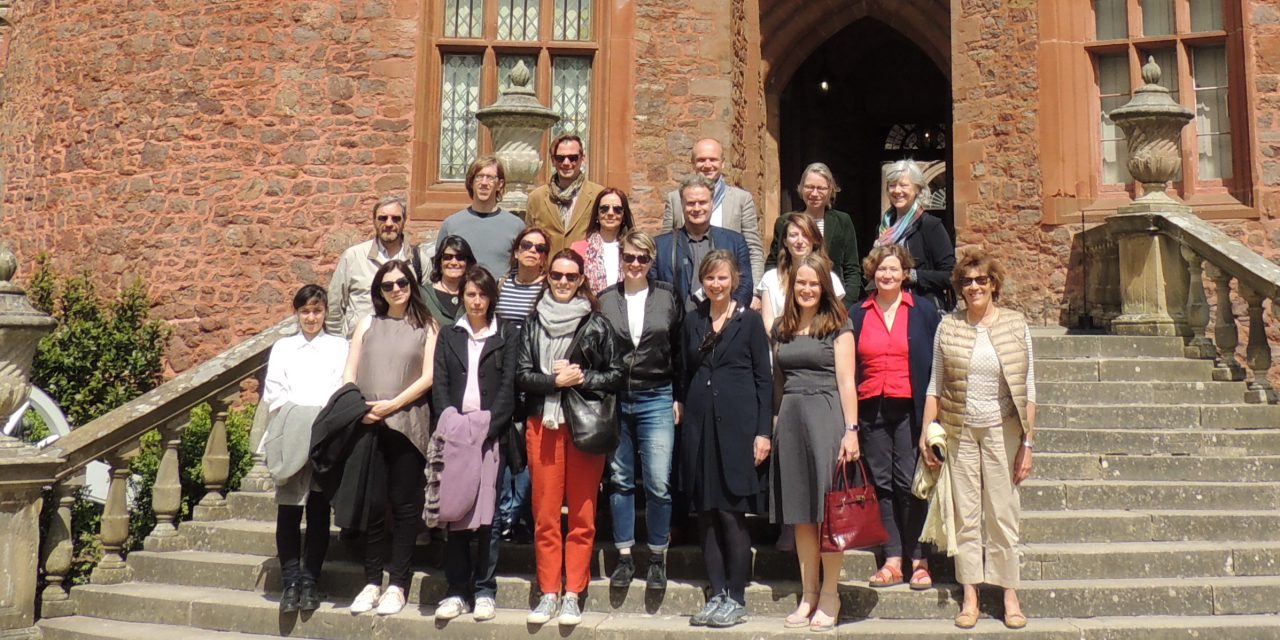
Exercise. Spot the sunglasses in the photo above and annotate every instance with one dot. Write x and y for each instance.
(452, 257)
(389, 218)
(610, 208)
(642, 258)
(981, 281)
(388, 287)
(560, 275)
(571, 157)
(527, 245)
(709, 341)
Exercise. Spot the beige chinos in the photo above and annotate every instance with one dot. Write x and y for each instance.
(986, 503)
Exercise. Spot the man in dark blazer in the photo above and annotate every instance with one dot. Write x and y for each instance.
(731, 208)
(680, 251)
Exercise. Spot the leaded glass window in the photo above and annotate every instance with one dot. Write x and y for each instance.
(464, 18)
(1213, 124)
(571, 94)
(459, 100)
(572, 20)
(518, 20)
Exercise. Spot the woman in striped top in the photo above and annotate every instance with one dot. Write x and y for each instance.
(528, 275)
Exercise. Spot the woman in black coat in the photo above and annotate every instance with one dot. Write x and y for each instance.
(477, 336)
(907, 223)
(725, 434)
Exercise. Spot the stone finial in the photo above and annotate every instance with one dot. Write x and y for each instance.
(519, 79)
(1152, 123)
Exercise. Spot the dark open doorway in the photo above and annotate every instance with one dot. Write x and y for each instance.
(865, 97)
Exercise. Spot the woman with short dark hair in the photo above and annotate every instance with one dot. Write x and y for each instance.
(444, 297)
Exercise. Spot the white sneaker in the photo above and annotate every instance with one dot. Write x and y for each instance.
(486, 608)
(546, 608)
(367, 599)
(391, 602)
(451, 608)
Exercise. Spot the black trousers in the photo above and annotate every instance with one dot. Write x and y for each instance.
(405, 497)
(289, 540)
(888, 446)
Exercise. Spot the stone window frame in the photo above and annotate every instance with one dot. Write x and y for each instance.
(433, 199)
(1071, 154)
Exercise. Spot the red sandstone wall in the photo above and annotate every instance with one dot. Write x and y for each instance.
(224, 151)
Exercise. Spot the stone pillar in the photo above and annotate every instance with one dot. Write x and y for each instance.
(1153, 280)
(24, 470)
(517, 121)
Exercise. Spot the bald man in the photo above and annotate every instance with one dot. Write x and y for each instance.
(732, 208)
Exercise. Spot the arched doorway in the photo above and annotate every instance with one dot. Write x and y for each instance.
(866, 96)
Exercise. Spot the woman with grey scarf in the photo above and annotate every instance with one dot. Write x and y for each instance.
(566, 345)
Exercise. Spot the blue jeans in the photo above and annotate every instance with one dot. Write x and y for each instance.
(513, 500)
(648, 429)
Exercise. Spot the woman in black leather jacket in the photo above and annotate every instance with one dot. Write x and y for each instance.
(647, 317)
(567, 348)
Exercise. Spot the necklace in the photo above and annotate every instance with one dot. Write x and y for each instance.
(441, 286)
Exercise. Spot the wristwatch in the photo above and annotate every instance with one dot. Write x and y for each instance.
(851, 428)
(1028, 444)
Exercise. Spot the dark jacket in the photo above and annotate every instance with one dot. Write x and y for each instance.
(935, 255)
(344, 454)
(596, 352)
(732, 382)
(922, 323)
(652, 364)
(841, 241)
(675, 265)
(497, 375)
(431, 298)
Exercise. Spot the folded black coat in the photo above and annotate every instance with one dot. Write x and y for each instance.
(346, 460)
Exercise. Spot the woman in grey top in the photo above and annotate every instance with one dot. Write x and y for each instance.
(983, 393)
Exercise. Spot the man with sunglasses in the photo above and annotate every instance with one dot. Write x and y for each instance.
(731, 208)
(349, 299)
(484, 225)
(563, 205)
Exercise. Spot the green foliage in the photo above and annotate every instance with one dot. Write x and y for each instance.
(190, 452)
(32, 428)
(103, 353)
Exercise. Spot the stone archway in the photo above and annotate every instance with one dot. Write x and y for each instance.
(791, 38)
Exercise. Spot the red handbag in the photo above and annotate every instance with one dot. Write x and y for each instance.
(852, 513)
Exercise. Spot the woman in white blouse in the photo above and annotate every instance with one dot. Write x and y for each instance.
(983, 392)
(302, 372)
(802, 237)
(610, 220)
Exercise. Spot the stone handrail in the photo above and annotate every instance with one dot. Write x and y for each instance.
(1147, 275)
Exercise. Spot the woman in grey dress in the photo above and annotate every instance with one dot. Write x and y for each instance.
(815, 429)
(391, 361)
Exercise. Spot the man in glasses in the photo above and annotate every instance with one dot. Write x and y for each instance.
(563, 206)
(731, 208)
(349, 299)
(681, 250)
(484, 225)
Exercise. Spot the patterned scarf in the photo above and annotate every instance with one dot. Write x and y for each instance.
(892, 233)
(597, 277)
(564, 197)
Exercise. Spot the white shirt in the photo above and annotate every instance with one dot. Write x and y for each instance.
(635, 313)
(612, 261)
(382, 251)
(772, 290)
(304, 372)
(475, 345)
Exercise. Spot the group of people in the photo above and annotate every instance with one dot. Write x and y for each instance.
(509, 366)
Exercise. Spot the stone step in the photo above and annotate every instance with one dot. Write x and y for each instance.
(1047, 495)
(1157, 416)
(1088, 466)
(177, 605)
(1212, 442)
(1105, 346)
(1119, 393)
(1094, 526)
(1124, 370)
(510, 624)
(1118, 560)
(257, 539)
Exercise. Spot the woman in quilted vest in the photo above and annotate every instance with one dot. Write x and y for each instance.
(983, 392)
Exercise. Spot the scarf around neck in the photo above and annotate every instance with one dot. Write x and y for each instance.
(892, 233)
(564, 197)
(597, 275)
(558, 322)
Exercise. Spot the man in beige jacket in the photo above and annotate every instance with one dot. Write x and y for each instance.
(349, 299)
(563, 206)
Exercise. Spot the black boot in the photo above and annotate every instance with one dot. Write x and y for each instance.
(290, 598)
(310, 598)
(625, 571)
(657, 578)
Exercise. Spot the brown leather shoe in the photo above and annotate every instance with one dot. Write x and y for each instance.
(967, 619)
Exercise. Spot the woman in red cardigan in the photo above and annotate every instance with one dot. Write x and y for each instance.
(894, 332)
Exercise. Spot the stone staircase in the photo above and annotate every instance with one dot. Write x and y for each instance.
(1153, 512)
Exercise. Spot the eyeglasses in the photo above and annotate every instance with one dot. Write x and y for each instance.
(387, 218)
(571, 157)
(607, 208)
(709, 341)
(981, 281)
(560, 275)
(388, 287)
(485, 178)
(452, 257)
(816, 188)
(642, 258)
(527, 245)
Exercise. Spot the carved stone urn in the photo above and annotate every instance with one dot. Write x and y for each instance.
(21, 328)
(517, 121)
(1152, 123)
